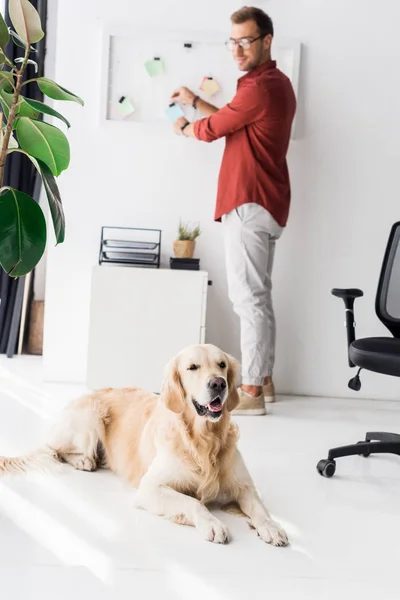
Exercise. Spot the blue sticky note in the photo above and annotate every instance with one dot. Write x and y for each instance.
(173, 112)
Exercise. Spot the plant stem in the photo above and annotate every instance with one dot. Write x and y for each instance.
(10, 64)
(12, 115)
(30, 81)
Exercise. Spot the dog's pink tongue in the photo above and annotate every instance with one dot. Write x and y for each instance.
(215, 407)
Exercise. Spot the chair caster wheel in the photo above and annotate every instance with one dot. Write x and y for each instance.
(326, 467)
(365, 454)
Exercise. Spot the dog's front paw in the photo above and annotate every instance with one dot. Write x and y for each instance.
(272, 533)
(213, 530)
(85, 464)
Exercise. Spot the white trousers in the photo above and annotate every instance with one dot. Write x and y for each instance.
(250, 233)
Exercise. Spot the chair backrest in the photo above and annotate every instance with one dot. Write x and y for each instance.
(387, 302)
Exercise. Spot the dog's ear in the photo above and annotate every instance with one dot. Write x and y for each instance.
(233, 375)
(172, 393)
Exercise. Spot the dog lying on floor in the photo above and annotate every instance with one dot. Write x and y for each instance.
(178, 449)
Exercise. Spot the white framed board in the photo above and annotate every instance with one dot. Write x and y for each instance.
(185, 59)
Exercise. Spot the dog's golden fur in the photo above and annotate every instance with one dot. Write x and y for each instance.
(178, 456)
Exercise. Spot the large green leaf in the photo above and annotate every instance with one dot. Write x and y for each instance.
(53, 90)
(53, 195)
(55, 204)
(26, 20)
(43, 108)
(22, 233)
(6, 81)
(4, 33)
(18, 41)
(44, 142)
(23, 108)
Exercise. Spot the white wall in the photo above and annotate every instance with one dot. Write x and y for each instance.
(343, 169)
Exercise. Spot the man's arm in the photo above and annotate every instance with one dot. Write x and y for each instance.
(206, 108)
(186, 97)
(247, 106)
(183, 127)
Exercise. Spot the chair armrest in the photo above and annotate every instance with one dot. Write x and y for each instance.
(347, 293)
(348, 296)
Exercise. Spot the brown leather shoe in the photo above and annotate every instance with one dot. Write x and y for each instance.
(250, 405)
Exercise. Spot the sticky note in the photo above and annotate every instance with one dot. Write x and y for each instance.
(125, 107)
(173, 112)
(155, 66)
(209, 86)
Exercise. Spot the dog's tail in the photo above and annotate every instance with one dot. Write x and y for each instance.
(43, 460)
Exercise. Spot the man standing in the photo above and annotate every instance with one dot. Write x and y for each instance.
(253, 190)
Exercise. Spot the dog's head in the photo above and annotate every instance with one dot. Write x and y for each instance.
(201, 379)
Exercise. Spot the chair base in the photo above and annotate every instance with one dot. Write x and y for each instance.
(376, 442)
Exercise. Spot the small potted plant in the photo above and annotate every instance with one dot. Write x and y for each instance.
(185, 243)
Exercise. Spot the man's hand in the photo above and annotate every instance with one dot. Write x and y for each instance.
(183, 95)
(178, 124)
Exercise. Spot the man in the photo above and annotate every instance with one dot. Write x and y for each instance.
(253, 191)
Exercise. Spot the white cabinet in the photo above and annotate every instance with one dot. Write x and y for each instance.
(139, 319)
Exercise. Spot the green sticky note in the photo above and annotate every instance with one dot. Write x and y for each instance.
(155, 66)
(125, 107)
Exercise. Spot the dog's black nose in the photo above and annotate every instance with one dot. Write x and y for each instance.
(217, 384)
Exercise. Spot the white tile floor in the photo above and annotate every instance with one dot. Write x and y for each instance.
(77, 535)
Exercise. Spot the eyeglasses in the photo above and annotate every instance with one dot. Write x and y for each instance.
(244, 43)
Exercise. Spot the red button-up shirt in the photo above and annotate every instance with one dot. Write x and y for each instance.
(256, 125)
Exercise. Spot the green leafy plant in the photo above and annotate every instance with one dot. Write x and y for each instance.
(22, 223)
(186, 233)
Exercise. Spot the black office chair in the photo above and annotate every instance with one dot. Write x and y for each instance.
(378, 354)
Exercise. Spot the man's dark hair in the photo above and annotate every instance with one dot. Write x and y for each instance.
(261, 19)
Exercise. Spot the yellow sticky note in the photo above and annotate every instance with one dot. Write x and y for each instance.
(209, 86)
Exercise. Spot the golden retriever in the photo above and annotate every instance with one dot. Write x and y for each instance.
(178, 449)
